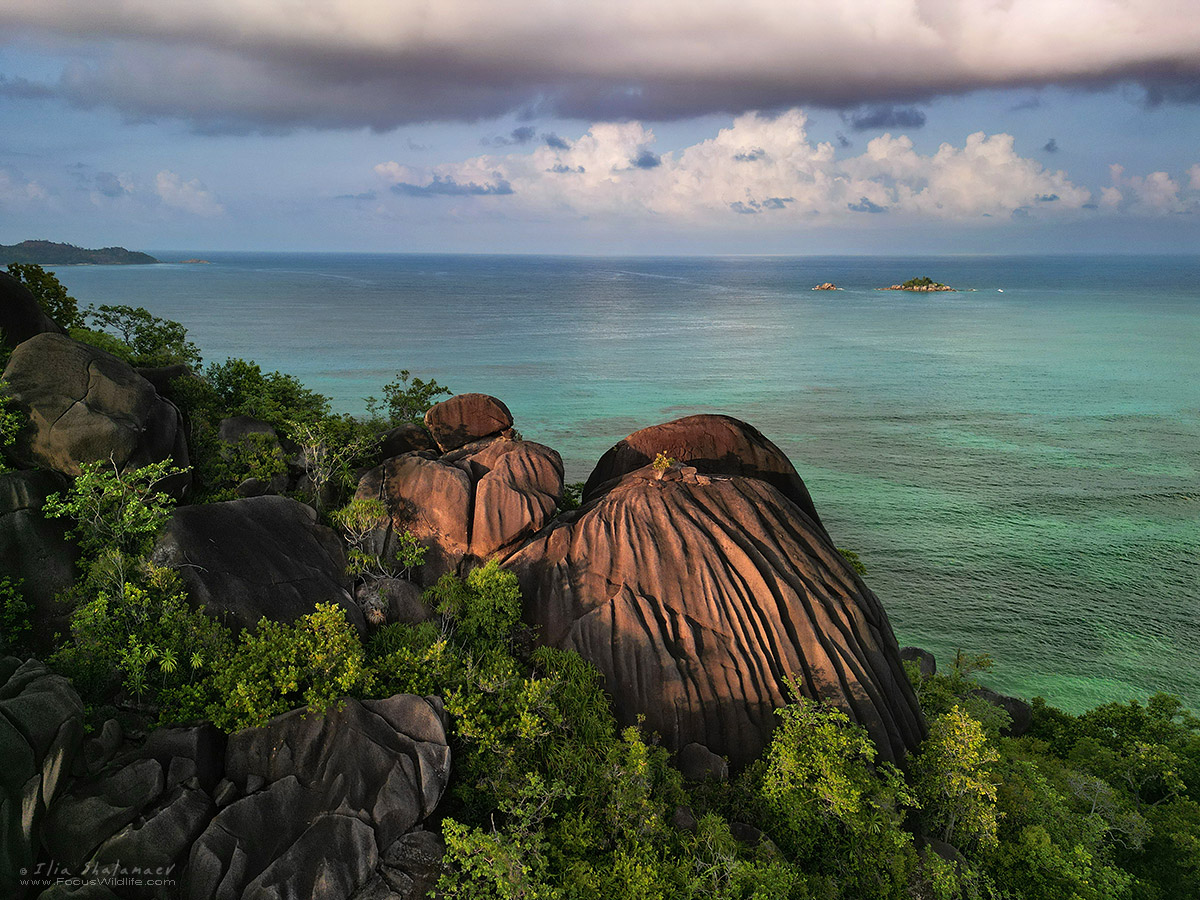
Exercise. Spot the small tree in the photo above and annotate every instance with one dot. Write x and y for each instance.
(362, 521)
(406, 399)
(147, 339)
(49, 292)
(954, 779)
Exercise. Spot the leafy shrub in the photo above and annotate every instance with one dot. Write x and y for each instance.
(831, 805)
(954, 780)
(15, 612)
(141, 339)
(406, 399)
(853, 559)
(485, 608)
(49, 292)
(362, 522)
(12, 420)
(277, 667)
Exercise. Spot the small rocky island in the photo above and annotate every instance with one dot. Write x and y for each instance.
(924, 283)
(825, 286)
(49, 253)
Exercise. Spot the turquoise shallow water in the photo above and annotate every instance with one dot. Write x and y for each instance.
(1018, 465)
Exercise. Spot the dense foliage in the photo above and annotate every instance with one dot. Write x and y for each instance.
(550, 797)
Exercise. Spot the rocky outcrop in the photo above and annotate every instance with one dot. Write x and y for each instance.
(467, 505)
(405, 439)
(86, 405)
(339, 792)
(713, 445)
(698, 596)
(41, 730)
(309, 806)
(465, 418)
(21, 316)
(34, 549)
(245, 559)
(825, 286)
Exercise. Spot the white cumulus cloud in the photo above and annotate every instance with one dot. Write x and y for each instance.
(190, 196)
(759, 166)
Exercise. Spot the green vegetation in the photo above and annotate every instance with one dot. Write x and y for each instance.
(550, 797)
(923, 282)
(405, 399)
(134, 335)
(51, 296)
(49, 253)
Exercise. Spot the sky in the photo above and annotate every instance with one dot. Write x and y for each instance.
(603, 126)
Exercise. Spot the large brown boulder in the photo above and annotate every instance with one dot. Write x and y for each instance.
(34, 549)
(20, 315)
(86, 405)
(468, 505)
(245, 559)
(699, 596)
(715, 445)
(466, 418)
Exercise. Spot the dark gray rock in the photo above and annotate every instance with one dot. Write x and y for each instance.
(41, 730)
(86, 405)
(1019, 712)
(335, 788)
(698, 763)
(393, 600)
(35, 549)
(245, 559)
(96, 809)
(926, 662)
(21, 316)
(405, 439)
(466, 418)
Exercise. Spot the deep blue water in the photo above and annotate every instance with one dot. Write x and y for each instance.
(1018, 465)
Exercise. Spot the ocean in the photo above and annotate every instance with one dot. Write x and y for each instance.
(1018, 463)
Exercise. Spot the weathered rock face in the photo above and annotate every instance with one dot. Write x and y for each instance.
(309, 806)
(261, 556)
(336, 792)
(698, 596)
(405, 439)
(470, 504)
(41, 729)
(35, 549)
(87, 405)
(20, 315)
(466, 418)
(713, 444)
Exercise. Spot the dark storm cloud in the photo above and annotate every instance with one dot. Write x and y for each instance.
(448, 187)
(554, 142)
(1051, 146)
(518, 136)
(274, 65)
(885, 116)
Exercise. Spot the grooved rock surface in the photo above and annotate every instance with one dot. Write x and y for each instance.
(698, 596)
(20, 315)
(41, 730)
(86, 405)
(260, 556)
(336, 790)
(713, 445)
(35, 549)
(470, 504)
(466, 418)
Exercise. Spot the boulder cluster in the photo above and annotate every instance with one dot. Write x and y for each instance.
(697, 576)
